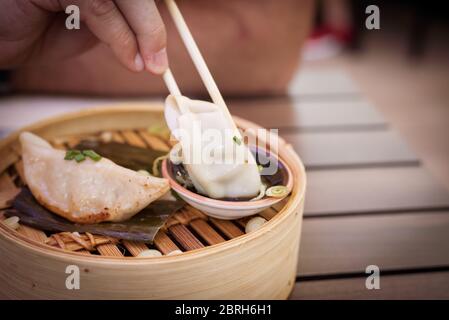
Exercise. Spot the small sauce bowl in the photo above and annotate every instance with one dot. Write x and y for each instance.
(228, 209)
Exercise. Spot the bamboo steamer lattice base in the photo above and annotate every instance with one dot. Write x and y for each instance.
(218, 260)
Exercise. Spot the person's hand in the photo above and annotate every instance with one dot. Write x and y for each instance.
(33, 31)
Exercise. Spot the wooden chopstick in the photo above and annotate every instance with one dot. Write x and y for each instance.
(171, 83)
(198, 61)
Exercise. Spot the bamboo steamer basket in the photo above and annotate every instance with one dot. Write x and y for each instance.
(219, 261)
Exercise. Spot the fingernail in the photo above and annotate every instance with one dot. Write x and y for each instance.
(138, 62)
(158, 62)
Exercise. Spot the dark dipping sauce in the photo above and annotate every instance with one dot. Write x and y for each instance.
(273, 173)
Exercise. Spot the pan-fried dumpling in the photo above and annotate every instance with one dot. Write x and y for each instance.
(218, 163)
(89, 191)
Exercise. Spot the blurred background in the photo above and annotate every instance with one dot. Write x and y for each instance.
(403, 68)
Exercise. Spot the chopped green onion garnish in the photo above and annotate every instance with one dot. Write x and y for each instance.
(237, 140)
(80, 157)
(92, 154)
(70, 154)
(277, 192)
(260, 168)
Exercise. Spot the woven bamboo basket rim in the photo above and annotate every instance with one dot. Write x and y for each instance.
(295, 198)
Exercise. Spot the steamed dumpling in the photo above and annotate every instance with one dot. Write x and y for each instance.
(217, 165)
(88, 191)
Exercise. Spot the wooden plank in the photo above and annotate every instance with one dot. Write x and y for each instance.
(23, 109)
(433, 285)
(187, 214)
(286, 113)
(280, 205)
(117, 137)
(32, 233)
(242, 222)
(58, 143)
(227, 227)
(371, 190)
(325, 82)
(163, 243)
(153, 141)
(269, 213)
(206, 232)
(133, 138)
(109, 250)
(185, 238)
(135, 247)
(363, 148)
(65, 241)
(71, 142)
(349, 244)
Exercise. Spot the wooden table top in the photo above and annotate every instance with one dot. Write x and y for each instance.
(370, 201)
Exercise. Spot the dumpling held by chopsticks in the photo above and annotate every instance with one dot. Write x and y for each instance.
(89, 191)
(219, 164)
